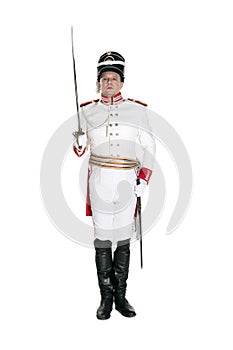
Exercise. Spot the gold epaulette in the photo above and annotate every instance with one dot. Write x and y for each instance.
(88, 102)
(137, 101)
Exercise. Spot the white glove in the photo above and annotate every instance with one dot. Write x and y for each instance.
(140, 188)
(81, 144)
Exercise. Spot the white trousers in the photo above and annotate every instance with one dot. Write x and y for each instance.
(113, 202)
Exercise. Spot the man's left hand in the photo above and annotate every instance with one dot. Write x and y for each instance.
(140, 188)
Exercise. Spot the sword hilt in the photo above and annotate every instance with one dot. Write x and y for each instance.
(77, 134)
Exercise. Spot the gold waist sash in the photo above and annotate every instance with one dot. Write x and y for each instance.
(113, 162)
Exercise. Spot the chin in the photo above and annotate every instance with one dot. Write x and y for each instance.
(110, 93)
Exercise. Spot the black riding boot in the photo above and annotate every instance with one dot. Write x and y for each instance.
(121, 269)
(103, 260)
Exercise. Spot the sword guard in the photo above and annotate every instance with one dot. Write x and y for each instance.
(78, 133)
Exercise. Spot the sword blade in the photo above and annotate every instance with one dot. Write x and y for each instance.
(75, 81)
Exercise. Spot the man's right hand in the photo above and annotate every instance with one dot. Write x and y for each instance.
(80, 142)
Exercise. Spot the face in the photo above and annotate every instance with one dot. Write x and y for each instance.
(110, 83)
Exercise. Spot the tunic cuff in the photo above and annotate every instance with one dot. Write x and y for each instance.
(145, 174)
(79, 153)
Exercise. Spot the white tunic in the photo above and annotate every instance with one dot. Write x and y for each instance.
(120, 130)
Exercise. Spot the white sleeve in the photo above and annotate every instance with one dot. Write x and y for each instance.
(147, 142)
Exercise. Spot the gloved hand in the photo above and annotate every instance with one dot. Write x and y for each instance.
(139, 188)
(79, 140)
(79, 145)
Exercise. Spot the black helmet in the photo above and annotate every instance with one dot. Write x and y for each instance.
(113, 62)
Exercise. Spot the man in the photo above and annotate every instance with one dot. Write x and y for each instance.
(121, 151)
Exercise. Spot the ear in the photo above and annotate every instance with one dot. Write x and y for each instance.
(97, 87)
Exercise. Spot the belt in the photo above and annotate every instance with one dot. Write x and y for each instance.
(113, 162)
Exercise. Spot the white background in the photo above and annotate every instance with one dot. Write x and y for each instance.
(179, 60)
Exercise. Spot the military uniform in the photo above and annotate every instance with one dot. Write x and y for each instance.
(118, 131)
(121, 145)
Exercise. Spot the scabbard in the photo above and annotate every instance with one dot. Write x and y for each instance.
(139, 209)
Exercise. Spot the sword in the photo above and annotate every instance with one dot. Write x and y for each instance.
(79, 132)
(139, 207)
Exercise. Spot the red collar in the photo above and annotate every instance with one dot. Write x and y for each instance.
(115, 99)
